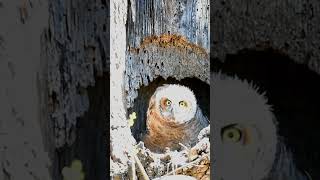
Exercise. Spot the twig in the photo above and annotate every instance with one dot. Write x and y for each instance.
(133, 169)
(191, 163)
(308, 175)
(140, 166)
(185, 147)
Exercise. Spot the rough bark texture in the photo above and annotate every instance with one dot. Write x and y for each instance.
(290, 27)
(54, 65)
(76, 52)
(121, 141)
(22, 151)
(187, 18)
(76, 59)
(167, 39)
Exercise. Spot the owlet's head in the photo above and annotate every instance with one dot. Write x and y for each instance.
(245, 129)
(175, 103)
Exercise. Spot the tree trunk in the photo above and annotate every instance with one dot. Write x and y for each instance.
(55, 87)
(55, 77)
(22, 132)
(76, 55)
(152, 43)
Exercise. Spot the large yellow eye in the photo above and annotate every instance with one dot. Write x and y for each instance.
(231, 134)
(168, 102)
(183, 104)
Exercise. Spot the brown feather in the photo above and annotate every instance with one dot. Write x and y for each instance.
(164, 133)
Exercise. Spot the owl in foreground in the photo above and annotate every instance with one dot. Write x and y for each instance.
(173, 117)
(246, 144)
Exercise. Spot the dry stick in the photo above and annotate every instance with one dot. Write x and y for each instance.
(308, 175)
(191, 163)
(143, 171)
(185, 147)
(134, 174)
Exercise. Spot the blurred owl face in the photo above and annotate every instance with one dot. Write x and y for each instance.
(176, 103)
(244, 125)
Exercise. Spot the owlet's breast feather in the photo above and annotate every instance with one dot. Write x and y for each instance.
(173, 117)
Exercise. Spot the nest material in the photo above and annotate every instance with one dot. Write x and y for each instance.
(145, 165)
(194, 162)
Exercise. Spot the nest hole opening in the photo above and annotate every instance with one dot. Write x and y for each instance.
(293, 90)
(140, 105)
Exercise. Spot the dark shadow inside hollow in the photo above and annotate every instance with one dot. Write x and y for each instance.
(91, 143)
(200, 89)
(294, 92)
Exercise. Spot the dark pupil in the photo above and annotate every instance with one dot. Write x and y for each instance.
(230, 134)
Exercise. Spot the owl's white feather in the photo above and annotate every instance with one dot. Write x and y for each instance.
(169, 125)
(176, 93)
(261, 154)
(237, 103)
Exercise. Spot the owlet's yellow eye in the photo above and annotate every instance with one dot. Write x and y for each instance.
(231, 134)
(168, 102)
(183, 104)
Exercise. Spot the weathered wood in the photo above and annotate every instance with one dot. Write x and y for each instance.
(77, 51)
(76, 59)
(121, 141)
(289, 27)
(23, 154)
(53, 55)
(167, 39)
